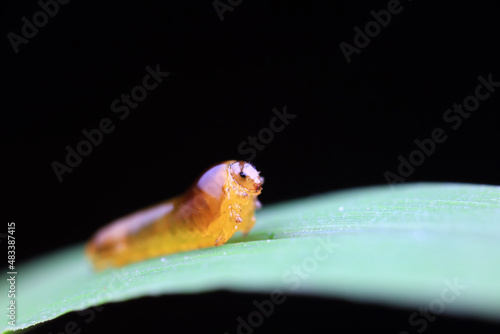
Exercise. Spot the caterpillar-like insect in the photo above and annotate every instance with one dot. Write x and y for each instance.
(222, 201)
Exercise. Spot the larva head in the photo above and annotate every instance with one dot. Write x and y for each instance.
(246, 176)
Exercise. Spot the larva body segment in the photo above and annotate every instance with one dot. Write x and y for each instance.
(222, 201)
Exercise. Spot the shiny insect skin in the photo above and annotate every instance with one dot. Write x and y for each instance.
(222, 201)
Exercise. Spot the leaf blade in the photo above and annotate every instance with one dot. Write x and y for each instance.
(400, 247)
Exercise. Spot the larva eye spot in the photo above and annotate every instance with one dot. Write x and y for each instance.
(246, 176)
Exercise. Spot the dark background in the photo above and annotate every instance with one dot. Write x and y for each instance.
(353, 120)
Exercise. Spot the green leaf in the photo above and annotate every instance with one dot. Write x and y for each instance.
(430, 245)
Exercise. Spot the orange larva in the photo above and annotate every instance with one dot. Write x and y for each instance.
(222, 201)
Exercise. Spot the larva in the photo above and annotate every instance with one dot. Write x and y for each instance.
(222, 201)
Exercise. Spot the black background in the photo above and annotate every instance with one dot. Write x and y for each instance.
(352, 120)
